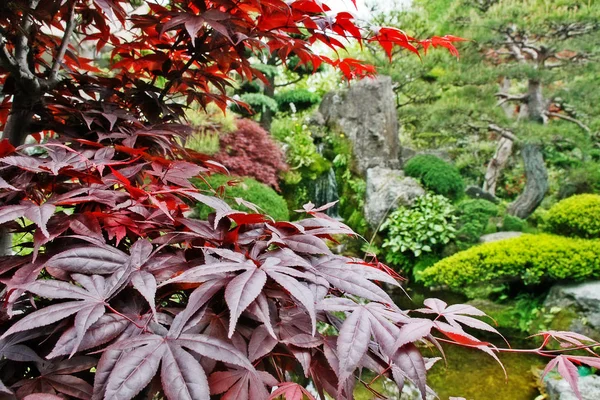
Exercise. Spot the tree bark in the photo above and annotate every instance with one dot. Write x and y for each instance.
(497, 164)
(537, 182)
(266, 117)
(20, 118)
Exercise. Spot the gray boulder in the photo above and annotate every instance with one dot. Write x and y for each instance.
(559, 389)
(386, 190)
(576, 307)
(366, 114)
(494, 237)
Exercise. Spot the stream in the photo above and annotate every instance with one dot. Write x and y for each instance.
(470, 373)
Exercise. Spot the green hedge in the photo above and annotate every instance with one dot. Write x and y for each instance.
(575, 216)
(473, 218)
(436, 175)
(531, 259)
(302, 99)
(248, 189)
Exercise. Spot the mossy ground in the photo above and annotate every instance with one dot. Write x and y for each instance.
(476, 376)
(473, 374)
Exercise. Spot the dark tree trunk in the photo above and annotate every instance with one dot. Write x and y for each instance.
(266, 117)
(16, 130)
(20, 118)
(537, 182)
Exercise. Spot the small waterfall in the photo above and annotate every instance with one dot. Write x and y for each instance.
(325, 190)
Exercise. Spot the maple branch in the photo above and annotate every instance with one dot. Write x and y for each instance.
(70, 27)
(22, 44)
(6, 59)
(570, 119)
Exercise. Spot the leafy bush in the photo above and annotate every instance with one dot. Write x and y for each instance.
(436, 175)
(575, 216)
(137, 292)
(473, 218)
(204, 142)
(250, 151)
(583, 179)
(530, 259)
(257, 102)
(302, 99)
(511, 223)
(247, 189)
(427, 225)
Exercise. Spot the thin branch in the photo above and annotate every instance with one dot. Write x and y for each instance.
(498, 129)
(70, 27)
(290, 83)
(570, 119)
(503, 132)
(505, 97)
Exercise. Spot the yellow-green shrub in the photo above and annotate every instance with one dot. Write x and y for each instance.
(248, 189)
(531, 259)
(575, 216)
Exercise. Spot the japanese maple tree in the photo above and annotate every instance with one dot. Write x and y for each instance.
(118, 293)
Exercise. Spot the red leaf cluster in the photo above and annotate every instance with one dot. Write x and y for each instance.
(250, 151)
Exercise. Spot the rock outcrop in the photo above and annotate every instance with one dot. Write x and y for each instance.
(386, 190)
(366, 114)
(559, 389)
(577, 307)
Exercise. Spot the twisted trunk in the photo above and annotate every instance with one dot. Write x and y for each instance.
(537, 182)
(533, 160)
(497, 164)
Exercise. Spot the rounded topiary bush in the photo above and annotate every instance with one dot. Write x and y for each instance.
(575, 216)
(530, 259)
(436, 175)
(248, 189)
(301, 99)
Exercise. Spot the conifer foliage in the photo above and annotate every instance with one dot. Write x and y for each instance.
(121, 294)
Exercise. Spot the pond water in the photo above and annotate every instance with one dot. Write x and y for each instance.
(470, 373)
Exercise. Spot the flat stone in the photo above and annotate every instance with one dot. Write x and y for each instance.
(494, 237)
(559, 389)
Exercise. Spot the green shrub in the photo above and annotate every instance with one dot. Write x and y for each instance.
(258, 103)
(575, 216)
(302, 99)
(423, 228)
(248, 189)
(530, 259)
(584, 179)
(513, 224)
(436, 175)
(473, 218)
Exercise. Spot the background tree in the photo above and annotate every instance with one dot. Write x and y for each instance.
(520, 82)
(280, 92)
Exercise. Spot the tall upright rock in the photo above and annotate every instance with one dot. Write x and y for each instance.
(366, 114)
